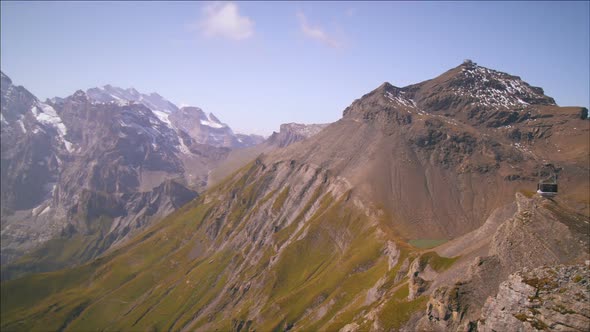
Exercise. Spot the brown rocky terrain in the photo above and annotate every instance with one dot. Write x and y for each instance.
(555, 298)
(336, 232)
(440, 175)
(288, 134)
(539, 233)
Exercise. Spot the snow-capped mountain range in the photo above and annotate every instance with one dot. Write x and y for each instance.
(205, 128)
(107, 153)
(109, 93)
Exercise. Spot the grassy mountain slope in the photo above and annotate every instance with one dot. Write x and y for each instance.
(316, 236)
(266, 260)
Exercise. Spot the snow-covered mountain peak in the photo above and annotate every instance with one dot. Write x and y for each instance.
(490, 87)
(109, 93)
(212, 121)
(204, 128)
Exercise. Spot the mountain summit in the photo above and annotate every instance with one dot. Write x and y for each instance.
(203, 128)
(468, 92)
(153, 101)
(414, 211)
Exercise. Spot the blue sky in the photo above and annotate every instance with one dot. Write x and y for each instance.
(259, 64)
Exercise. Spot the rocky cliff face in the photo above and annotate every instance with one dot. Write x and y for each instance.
(540, 233)
(294, 132)
(201, 127)
(289, 133)
(549, 298)
(69, 162)
(32, 142)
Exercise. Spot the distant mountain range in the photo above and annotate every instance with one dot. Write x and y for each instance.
(416, 211)
(203, 128)
(99, 165)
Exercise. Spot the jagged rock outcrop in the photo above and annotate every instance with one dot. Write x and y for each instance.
(444, 305)
(289, 133)
(293, 132)
(548, 298)
(416, 284)
(541, 232)
(204, 128)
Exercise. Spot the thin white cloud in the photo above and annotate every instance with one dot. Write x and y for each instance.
(224, 20)
(316, 32)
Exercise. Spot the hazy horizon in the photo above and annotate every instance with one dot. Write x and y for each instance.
(256, 65)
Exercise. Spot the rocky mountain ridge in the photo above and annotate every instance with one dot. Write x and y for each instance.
(202, 127)
(290, 133)
(539, 233)
(100, 166)
(342, 231)
(104, 150)
(407, 141)
(555, 298)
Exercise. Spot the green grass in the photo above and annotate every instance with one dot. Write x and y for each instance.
(427, 243)
(94, 295)
(284, 234)
(278, 204)
(397, 312)
(312, 268)
(401, 293)
(151, 282)
(173, 276)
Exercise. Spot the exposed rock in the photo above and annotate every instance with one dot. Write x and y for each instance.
(352, 327)
(403, 270)
(539, 233)
(444, 305)
(420, 274)
(392, 253)
(375, 292)
(548, 298)
(106, 153)
(293, 132)
(289, 133)
(422, 162)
